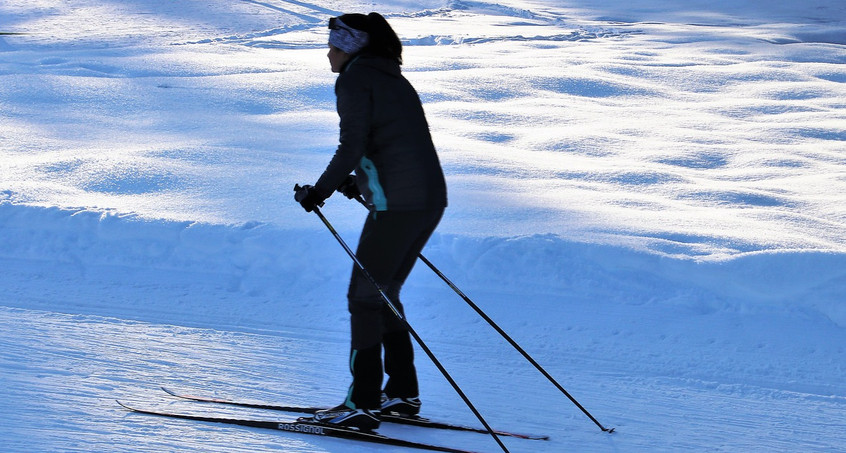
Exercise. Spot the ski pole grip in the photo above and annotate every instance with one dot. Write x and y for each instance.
(298, 188)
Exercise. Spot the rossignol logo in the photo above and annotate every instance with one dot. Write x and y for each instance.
(301, 428)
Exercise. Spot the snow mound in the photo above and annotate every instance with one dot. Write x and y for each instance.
(267, 263)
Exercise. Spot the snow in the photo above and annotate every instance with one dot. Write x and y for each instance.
(647, 196)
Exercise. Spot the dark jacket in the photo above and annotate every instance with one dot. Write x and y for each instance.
(385, 139)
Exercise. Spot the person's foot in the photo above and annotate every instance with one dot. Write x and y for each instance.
(343, 415)
(401, 406)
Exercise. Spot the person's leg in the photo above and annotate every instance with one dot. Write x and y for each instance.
(366, 368)
(363, 401)
(380, 250)
(365, 307)
(399, 365)
(388, 248)
(399, 351)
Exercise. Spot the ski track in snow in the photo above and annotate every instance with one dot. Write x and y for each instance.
(649, 197)
(72, 365)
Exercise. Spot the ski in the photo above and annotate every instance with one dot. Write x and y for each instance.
(273, 407)
(304, 426)
(386, 417)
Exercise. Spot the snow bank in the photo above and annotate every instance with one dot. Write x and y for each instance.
(267, 264)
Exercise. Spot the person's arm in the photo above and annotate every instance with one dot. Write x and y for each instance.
(354, 105)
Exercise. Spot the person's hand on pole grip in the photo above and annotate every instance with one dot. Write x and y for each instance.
(349, 187)
(308, 197)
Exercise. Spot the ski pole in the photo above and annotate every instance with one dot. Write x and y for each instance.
(411, 330)
(507, 337)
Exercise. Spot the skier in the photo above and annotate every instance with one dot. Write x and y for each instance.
(385, 139)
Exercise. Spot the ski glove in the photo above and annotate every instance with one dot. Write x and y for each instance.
(308, 197)
(349, 187)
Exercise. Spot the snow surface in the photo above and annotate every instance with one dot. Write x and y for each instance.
(650, 197)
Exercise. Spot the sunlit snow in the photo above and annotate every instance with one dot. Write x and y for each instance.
(650, 196)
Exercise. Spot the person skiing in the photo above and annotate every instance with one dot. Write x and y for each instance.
(385, 140)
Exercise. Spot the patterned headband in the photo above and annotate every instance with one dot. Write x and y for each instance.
(346, 38)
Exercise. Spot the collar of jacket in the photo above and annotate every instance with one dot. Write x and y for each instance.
(385, 65)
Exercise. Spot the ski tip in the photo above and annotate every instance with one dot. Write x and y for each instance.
(168, 391)
(523, 436)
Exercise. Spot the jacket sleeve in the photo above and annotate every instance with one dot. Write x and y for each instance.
(354, 106)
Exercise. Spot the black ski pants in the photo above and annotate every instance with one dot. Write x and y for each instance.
(388, 248)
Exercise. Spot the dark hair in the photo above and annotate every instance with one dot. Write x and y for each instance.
(384, 42)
